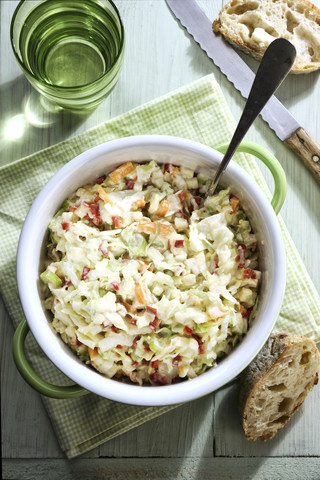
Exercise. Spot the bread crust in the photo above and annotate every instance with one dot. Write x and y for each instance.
(299, 16)
(269, 395)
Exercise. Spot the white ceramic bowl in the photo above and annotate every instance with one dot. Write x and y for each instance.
(85, 169)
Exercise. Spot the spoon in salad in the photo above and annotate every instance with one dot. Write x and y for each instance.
(274, 67)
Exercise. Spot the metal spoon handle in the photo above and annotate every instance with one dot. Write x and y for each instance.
(274, 67)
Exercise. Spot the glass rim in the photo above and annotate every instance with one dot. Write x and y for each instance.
(61, 87)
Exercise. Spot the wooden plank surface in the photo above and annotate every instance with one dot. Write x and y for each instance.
(161, 56)
(165, 469)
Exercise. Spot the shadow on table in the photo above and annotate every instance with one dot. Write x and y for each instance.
(161, 446)
(28, 124)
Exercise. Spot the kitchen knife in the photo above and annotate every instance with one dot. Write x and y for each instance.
(237, 71)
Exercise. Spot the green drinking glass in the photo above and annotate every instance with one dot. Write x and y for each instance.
(71, 51)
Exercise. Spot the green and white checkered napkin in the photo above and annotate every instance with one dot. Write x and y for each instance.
(199, 112)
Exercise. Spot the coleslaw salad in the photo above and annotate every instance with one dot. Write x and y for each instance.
(146, 280)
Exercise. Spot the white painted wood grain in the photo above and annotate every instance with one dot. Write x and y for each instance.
(186, 431)
(165, 469)
(26, 428)
(160, 57)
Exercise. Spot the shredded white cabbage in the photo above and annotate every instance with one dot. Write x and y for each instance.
(147, 280)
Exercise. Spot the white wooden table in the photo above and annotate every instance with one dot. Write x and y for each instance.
(203, 439)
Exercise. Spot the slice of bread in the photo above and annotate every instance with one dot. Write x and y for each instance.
(252, 25)
(276, 383)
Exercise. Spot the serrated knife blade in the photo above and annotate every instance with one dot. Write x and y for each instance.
(199, 26)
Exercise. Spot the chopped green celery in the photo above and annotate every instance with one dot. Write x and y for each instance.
(164, 332)
(103, 291)
(178, 328)
(64, 207)
(154, 345)
(202, 179)
(222, 193)
(202, 328)
(241, 216)
(65, 204)
(83, 354)
(49, 277)
(135, 357)
(211, 209)
(254, 310)
(137, 244)
(112, 266)
(54, 239)
(166, 189)
(147, 167)
(206, 362)
(211, 204)
(245, 225)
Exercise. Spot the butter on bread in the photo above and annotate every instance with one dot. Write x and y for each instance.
(251, 25)
(276, 383)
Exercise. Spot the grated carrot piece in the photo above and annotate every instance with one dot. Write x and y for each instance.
(121, 171)
(151, 227)
(92, 353)
(164, 230)
(175, 171)
(104, 196)
(140, 294)
(163, 208)
(234, 202)
(147, 227)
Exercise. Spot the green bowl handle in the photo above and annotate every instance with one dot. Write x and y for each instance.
(280, 183)
(43, 387)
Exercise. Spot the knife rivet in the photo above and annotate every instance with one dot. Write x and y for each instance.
(315, 158)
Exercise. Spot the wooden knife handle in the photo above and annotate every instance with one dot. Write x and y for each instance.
(302, 144)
